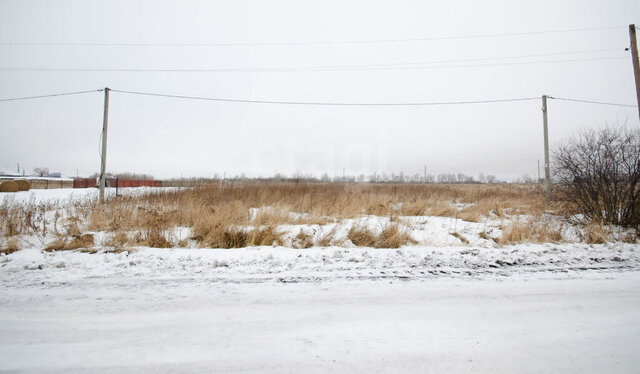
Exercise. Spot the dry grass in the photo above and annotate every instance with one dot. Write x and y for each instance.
(153, 238)
(302, 240)
(392, 236)
(460, 237)
(118, 239)
(362, 237)
(328, 238)
(9, 246)
(536, 231)
(596, 233)
(219, 214)
(67, 244)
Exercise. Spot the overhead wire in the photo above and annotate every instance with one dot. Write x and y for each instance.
(300, 43)
(392, 66)
(319, 103)
(592, 102)
(49, 95)
(322, 103)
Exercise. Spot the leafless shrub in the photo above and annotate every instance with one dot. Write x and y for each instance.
(598, 174)
(41, 171)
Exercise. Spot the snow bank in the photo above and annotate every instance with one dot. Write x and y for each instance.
(259, 264)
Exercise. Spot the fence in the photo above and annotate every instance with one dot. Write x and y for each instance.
(115, 182)
(44, 183)
(84, 183)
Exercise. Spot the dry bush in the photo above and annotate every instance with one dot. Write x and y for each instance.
(326, 239)
(152, 238)
(599, 175)
(261, 236)
(81, 241)
(23, 185)
(58, 244)
(224, 237)
(530, 232)
(66, 244)
(596, 233)
(10, 246)
(25, 219)
(393, 236)
(362, 237)
(302, 240)
(119, 239)
(8, 186)
(12, 223)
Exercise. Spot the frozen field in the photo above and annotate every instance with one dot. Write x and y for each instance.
(570, 308)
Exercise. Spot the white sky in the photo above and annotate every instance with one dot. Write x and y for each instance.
(170, 137)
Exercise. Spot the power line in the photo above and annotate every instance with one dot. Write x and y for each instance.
(49, 95)
(323, 103)
(434, 103)
(492, 58)
(294, 43)
(317, 69)
(592, 102)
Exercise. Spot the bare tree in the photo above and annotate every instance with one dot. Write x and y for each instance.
(598, 173)
(41, 172)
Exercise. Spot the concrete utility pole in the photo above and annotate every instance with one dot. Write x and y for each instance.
(547, 171)
(636, 63)
(103, 161)
(538, 181)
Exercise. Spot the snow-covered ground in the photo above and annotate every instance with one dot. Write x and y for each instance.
(531, 308)
(67, 195)
(577, 322)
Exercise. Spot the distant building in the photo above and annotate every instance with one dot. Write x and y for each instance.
(55, 175)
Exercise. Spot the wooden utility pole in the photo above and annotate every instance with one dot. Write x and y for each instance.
(103, 160)
(547, 171)
(425, 174)
(636, 63)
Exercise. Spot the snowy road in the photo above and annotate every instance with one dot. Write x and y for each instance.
(582, 322)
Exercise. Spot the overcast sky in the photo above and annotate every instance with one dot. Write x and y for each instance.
(394, 46)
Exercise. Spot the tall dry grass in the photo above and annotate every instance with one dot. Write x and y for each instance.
(220, 215)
